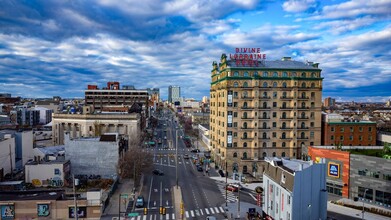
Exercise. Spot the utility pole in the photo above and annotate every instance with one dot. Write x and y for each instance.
(75, 212)
(12, 169)
(226, 183)
(239, 202)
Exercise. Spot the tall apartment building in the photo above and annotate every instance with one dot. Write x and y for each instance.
(328, 102)
(113, 96)
(348, 132)
(269, 109)
(174, 93)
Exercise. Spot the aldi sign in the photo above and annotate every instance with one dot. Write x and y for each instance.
(333, 169)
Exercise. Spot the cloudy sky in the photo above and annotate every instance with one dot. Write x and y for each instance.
(55, 47)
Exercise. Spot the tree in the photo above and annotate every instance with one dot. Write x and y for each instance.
(135, 161)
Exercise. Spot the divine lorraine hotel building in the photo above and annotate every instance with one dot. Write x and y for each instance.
(269, 109)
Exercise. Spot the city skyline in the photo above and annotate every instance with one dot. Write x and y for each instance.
(58, 48)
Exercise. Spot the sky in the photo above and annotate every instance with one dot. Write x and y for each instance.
(58, 47)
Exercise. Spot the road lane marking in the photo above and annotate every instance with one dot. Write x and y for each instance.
(217, 210)
(212, 211)
(221, 209)
(201, 212)
(187, 214)
(252, 196)
(192, 213)
(207, 211)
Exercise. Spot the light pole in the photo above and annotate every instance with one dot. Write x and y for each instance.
(74, 198)
(239, 201)
(226, 183)
(363, 207)
(176, 156)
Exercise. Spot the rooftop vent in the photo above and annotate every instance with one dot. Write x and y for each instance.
(286, 58)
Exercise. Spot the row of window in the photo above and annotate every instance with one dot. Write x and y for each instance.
(276, 74)
(351, 138)
(265, 95)
(265, 144)
(351, 129)
(274, 84)
(381, 198)
(373, 174)
(265, 106)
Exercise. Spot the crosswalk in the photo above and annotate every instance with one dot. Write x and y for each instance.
(231, 197)
(191, 214)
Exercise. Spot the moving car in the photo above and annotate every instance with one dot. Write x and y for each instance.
(186, 156)
(140, 202)
(158, 172)
(199, 168)
(233, 187)
(195, 150)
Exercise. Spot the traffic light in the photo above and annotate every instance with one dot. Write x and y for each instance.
(161, 210)
(164, 211)
(145, 211)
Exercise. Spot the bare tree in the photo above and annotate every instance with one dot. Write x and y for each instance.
(135, 161)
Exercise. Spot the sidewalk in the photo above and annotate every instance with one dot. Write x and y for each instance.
(353, 212)
(125, 186)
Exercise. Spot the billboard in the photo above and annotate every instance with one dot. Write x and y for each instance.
(333, 169)
(7, 212)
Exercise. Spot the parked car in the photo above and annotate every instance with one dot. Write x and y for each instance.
(158, 172)
(195, 150)
(186, 156)
(221, 172)
(140, 202)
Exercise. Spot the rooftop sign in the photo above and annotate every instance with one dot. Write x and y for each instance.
(247, 56)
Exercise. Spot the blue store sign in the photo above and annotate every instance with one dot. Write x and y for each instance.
(333, 169)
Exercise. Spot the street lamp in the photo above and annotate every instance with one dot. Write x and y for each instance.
(176, 156)
(226, 183)
(363, 207)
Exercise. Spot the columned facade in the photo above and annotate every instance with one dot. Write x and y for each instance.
(91, 125)
(269, 109)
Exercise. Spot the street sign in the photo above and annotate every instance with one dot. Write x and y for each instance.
(133, 214)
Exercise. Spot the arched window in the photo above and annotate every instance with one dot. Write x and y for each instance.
(303, 74)
(245, 135)
(264, 154)
(275, 84)
(244, 114)
(264, 94)
(264, 136)
(255, 73)
(255, 167)
(284, 105)
(283, 136)
(294, 74)
(264, 125)
(264, 115)
(283, 125)
(283, 154)
(313, 75)
(264, 145)
(303, 94)
(245, 94)
(264, 84)
(245, 84)
(264, 105)
(303, 85)
(303, 115)
(303, 125)
(275, 74)
(283, 144)
(236, 84)
(244, 104)
(284, 74)
(303, 104)
(284, 85)
(245, 144)
(284, 94)
(302, 135)
(235, 168)
(245, 74)
(265, 74)
(312, 85)
(245, 125)
(245, 155)
(284, 115)
(235, 154)
(274, 154)
(236, 73)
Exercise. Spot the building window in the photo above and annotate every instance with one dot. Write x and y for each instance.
(264, 84)
(236, 84)
(289, 200)
(303, 85)
(341, 137)
(342, 129)
(274, 104)
(275, 84)
(312, 134)
(284, 74)
(265, 74)
(235, 134)
(274, 134)
(283, 154)
(360, 138)
(332, 137)
(360, 129)
(332, 129)
(235, 124)
(312, 124)
(235, 154)
(274, 144)
(245, 84)
(351, 137)
(235, 114)
(283, 145)
(370, 129)
(274, 154)
(275, 74)
(264, 145)
(245, 74)
(236, 73)
(274, 114)
(274, 124)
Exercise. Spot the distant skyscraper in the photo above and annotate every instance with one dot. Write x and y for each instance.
(328, 102)
(174, 93)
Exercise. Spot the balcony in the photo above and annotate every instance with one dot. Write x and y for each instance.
(264, 108)
(302, 138)
(286, 97)
(287, 108)
(286, 138)
(246, 158)
(245, 108)
(264, 118)
(247, 138)
(247, 97)
(285, 128)
(302, 128)
(247, 118)
(302, 118)
(303, 98)
(264, 97)
(286, 118)
(264, 128)
(246, 128)
(303, 108)
(264, 138)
